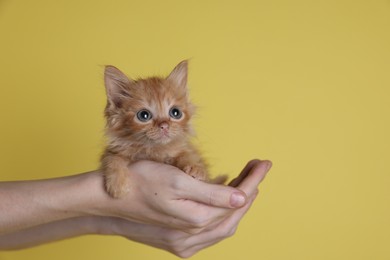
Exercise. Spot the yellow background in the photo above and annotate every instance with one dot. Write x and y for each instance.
(303, 83)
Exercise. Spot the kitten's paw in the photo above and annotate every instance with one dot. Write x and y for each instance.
(117, 186)
(199, 173)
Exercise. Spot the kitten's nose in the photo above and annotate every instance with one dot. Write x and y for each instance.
(164, 126)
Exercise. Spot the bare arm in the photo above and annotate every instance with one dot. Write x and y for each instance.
(26, 204)
(49, 232)
(160, 194)
(176, 241)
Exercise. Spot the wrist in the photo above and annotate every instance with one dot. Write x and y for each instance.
(94, 200)
(77, 196)
(109, 226)
(100, 225)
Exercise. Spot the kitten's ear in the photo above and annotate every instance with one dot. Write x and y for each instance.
(116, 82)
(179, 74)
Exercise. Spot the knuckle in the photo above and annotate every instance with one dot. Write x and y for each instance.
(212, 198)
(175, 248)
(184, 254)
(177, 182)
(199, 220)
(171, 239)
(180, 251)
(225, 233)
(231, 232)
(194, 231)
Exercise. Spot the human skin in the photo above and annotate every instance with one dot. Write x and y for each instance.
(168, 209)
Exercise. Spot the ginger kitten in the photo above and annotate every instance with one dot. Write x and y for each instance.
(148, 119)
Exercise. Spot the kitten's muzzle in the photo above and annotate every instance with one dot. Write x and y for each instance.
(164, 126)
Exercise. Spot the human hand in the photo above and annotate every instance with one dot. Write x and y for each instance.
(163, 195)
(80, 194)
(184, 244)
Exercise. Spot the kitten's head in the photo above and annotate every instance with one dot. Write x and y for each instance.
(148, 111)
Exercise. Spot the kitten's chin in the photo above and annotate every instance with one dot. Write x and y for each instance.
(163, 140)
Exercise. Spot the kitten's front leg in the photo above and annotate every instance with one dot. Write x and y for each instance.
(198, 172)
(193, 165)
(115, 175)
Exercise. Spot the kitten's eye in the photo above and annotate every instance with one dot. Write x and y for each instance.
(175, 113)
(144, 115)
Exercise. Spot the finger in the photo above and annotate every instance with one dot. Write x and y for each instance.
(254, 173)
(236, 216)
(235, 182)
(255, 177)
(225, 229)
(212, 194)
(196, 217)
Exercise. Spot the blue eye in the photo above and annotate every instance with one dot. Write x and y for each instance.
(175, 113)
(144, 115)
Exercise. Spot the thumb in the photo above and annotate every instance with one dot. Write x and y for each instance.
(213, 195)
(254, 177)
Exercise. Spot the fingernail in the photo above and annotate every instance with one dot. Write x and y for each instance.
(237, 200)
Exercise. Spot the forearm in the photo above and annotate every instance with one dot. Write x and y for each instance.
(30, 203)
(159, 194)
(168, 204)
(50, 232)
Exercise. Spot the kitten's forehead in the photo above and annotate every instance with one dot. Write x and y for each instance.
(157, 95)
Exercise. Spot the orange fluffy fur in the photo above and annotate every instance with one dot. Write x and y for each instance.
(156, 135)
